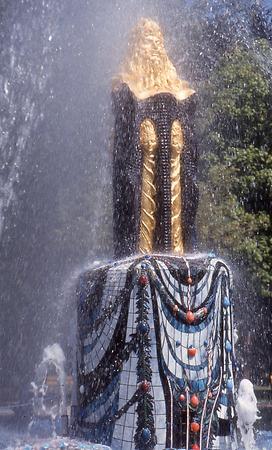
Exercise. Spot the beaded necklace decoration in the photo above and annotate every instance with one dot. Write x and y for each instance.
(194, 354)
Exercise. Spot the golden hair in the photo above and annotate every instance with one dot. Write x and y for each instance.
(147, 69)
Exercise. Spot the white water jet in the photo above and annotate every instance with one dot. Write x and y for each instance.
(247, 411)
(53, 357)
(53, 354)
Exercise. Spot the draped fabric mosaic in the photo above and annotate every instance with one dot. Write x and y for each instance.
(155, 363)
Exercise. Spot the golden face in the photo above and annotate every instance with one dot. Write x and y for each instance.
(147, 69)
(148, 137)
(151, 39)
(147, 31)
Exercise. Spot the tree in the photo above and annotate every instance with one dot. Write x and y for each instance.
(236, 118)
(236, 185)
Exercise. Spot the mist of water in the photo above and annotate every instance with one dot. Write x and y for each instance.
(247, 412)
(57, 62)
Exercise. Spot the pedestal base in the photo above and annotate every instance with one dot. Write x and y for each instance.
(155, 353)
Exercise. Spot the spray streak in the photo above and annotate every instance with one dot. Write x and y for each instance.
(23, 83)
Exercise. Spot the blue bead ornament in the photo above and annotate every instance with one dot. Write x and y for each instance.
(198, 385)
(146, 434)
(181, 383)
(178, 343)
(144, 266)
(205, 343)
(223, 400)
(143, 327)
(229, 384)
(226, 302)
(228, 346)
(195, 386)
(201, 385)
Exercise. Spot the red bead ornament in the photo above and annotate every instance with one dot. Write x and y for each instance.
(143, 280)
(144, 386)
(210, 394)
(189, 280)
(190, 317)
(195, 447)
(175, 309)
(205, 311)
(195, 427)
(194, 401)
(191, 352)
(182, 398)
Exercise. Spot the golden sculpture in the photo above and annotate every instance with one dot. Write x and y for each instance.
(177, 143)
(148, 70)
(149, 144)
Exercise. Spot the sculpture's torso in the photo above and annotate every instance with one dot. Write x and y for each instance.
(162, 110)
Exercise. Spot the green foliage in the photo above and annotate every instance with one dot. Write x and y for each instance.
(236, 182)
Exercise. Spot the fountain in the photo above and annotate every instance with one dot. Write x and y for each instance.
(155, 365)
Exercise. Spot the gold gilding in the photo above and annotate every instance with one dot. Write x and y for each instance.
(148, 70)
(177, 144)
(149, 145)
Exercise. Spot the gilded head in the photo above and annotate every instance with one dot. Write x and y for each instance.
(146, 40)
(147, 69)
